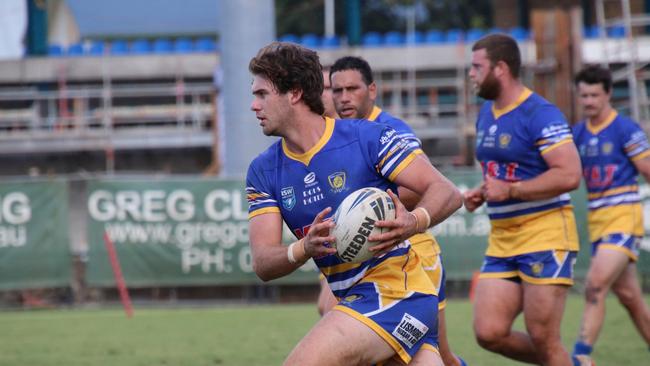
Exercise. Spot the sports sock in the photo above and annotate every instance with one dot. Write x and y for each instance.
(462, 362)
(581, 348)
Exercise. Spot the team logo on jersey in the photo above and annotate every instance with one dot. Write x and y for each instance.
(582, 150)
(537, 268)
(288, 198)
(608, 147)
(492, 130)
(504, 140)
(351, 298)
(337, 181)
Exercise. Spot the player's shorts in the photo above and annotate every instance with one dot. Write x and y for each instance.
(434, 268)
(548, 267)
(626, 243)
(404, 321)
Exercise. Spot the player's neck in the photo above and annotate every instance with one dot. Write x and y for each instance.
(511, 91)
(307, 129)
(601, 117)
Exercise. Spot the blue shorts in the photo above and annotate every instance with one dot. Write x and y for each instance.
(626, 243)
(548, 267)
(405, 321)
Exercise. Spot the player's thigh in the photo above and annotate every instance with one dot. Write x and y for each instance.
(443, 343)
(627, 287)
(606, 266)
(326, 299)
(543, 309)
(339, 339)
(426, 357)
(497, 302)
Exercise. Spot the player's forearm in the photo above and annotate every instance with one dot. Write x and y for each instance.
(551, 183)
(441, 200)
(273, 261)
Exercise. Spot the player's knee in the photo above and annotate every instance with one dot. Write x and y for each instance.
(489, 336)
(595, 291)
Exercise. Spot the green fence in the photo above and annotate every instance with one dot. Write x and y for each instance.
(187, 232)
(173, 233)
(34, 245)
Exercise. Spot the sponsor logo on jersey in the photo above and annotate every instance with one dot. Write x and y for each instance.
(312, 195)
(410, 330)
(337, 181)
(386, 136)
(492, 130)
(288, 198)
(310, 179)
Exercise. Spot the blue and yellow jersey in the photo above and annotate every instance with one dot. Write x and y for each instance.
(607, 152)
(405, 132)
(510, 145)
(350, 155)
(403, 129)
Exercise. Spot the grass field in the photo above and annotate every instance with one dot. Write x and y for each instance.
(240, 336)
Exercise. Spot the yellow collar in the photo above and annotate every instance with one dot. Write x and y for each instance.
(500, 112)
(596, 129)
(306, 157)
(374, 113)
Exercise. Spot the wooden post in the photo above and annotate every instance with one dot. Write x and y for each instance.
(555, 47)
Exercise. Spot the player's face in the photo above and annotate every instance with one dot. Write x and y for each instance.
(481, 73)
(328, 102)
(593, 99)
(270, 107)
(352, 97)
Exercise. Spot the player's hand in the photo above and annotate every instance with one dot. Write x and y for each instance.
(473, 198)
(400, 229)
(496, 190)
(318, 235)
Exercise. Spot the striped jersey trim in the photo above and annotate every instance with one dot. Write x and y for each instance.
(521, 206)
(632, 197)
(262, 211)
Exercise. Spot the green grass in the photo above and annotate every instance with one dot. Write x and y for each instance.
(240, 335)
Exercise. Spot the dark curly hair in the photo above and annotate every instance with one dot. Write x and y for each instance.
(594, 74)
(289, 66)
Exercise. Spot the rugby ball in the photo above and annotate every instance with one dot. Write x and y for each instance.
(355, 220)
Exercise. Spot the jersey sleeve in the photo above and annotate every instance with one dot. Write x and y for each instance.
(549, 129)
(386, 150)
(405, 132)
(258, 192)
(635, 142)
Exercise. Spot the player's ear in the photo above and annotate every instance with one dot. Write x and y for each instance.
(295, 95)
(501, 68)
(372, 90)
